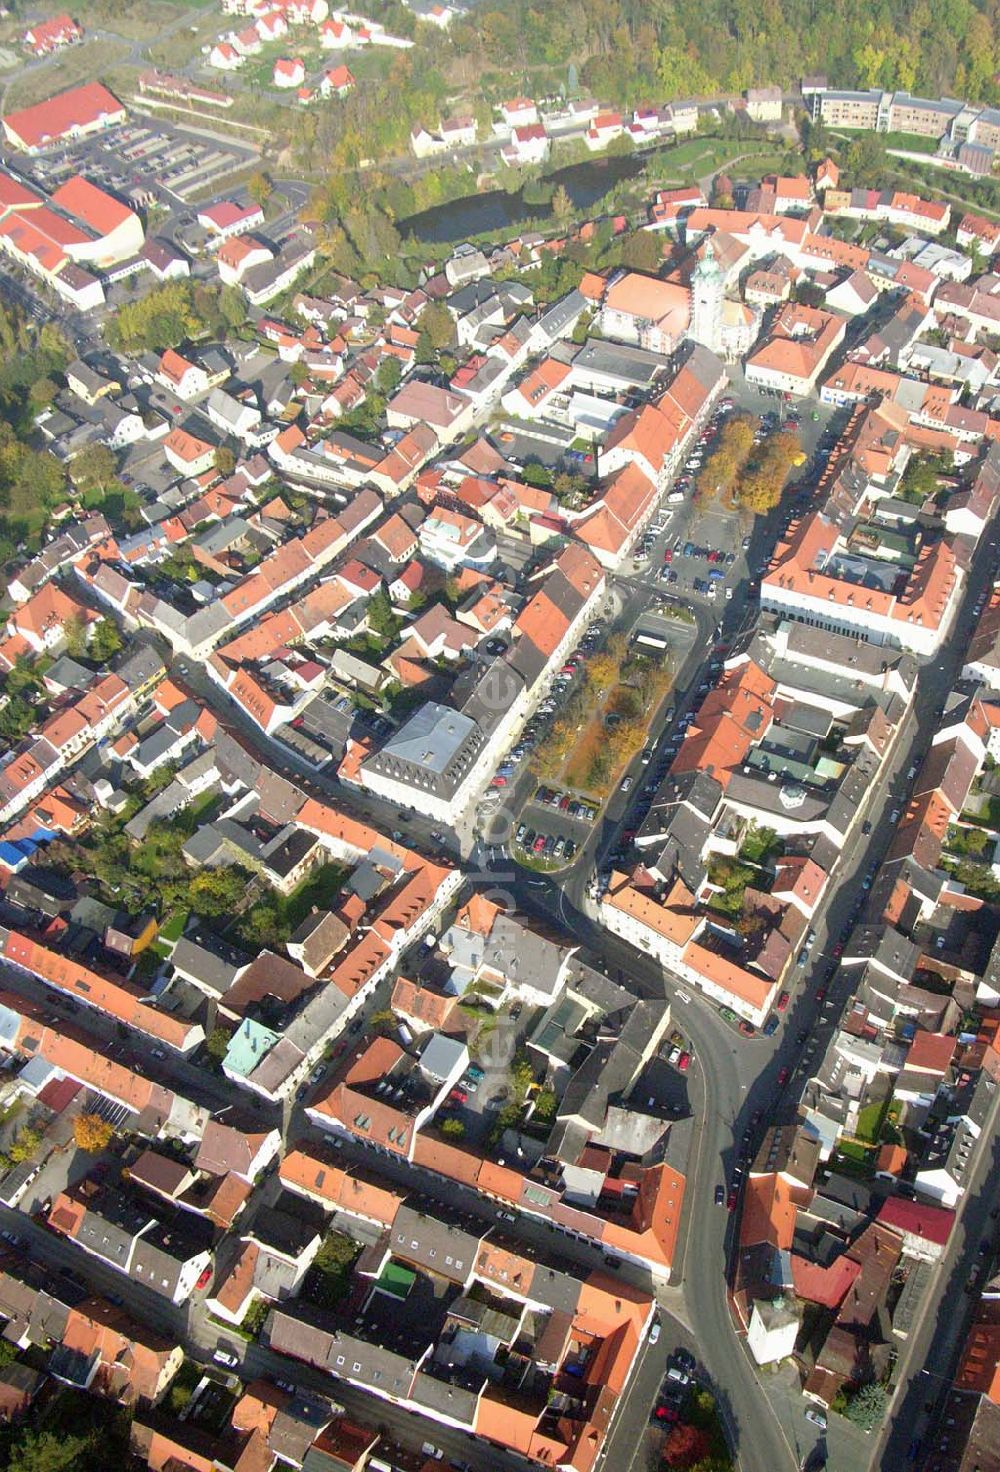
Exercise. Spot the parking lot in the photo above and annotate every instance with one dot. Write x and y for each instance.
(146, 161)
(514, 766)
(691, 574)
(554, 825)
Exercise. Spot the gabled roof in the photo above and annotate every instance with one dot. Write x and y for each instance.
(52, 119)
(97, 209)
(917, 1219)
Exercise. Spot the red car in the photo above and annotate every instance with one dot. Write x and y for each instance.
(684, 1062)
(668, 555)
(539, 843)
(820, 993)
(747, 1028)
(204, 1278)
(667, 1413)
(783, 1077)
(732, 1199)
(499, 782)
(782, 1001)
(838, 949)
(459, 1096)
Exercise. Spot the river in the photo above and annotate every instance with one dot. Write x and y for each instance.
(475, 214)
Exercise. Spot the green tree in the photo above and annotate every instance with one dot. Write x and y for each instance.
(75, 635)
(16, 719)
(388, 376)
(562, 205)
(865, 160)
(163, 318)
(49, 1451)
(521, 1076)
(42, 392)
(217, 1043)
(225, 460)
(264, 926)
(453, 1128)
(381, 619)
(545, 1106)
(436, 322)
(642, 250)
(25, 1147)
(867, 1407)
(105, 640)
(260, 187)
(94, 469)
(217, 892)
(232, 306)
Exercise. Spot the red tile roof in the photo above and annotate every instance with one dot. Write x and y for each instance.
(47, 121)
(83, 200)
(918, 1219)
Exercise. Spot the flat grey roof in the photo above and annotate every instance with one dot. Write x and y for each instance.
(431, 738)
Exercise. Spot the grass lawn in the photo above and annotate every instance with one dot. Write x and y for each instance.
(201, 808)
(539, 862)
(852, 1158)
(318, 890)
(691, 151)
(173, 927)
(584, 755)
(140, 22)
(912, 142)
(184, 45)
(258, 71)
(854, 1150)
(77, 64)
(870, 1121)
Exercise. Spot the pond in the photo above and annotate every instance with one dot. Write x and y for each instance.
(475, 214)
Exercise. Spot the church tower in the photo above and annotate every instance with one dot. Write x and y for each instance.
(706, 301)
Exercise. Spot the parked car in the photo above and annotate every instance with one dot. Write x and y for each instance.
(720, 1195)
(783, 1002)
